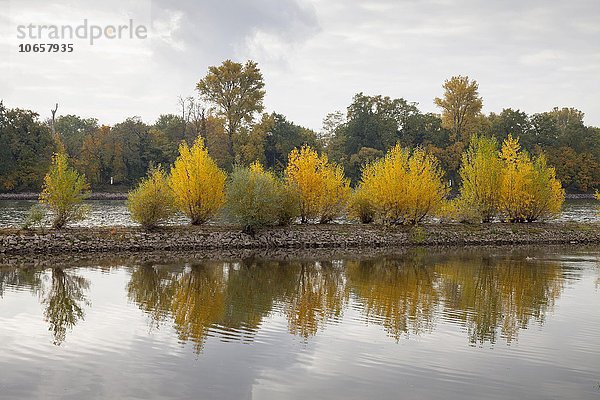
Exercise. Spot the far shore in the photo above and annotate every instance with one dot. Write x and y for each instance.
(123, 196)
(331, 236)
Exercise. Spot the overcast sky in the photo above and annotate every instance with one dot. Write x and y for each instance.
(314, 55)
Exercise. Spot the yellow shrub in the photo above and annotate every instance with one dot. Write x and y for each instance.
(197, 182)
(515, 187)
(547, 194)
(151, 202)
(321, 186)
(64, 191)
(403, 187)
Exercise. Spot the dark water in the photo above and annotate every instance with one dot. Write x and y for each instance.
(115, 213)
(421, 324)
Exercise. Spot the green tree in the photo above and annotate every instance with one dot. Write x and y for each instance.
(26, 147)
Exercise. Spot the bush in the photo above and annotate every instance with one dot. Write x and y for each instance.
(151, 202)
(35, 217)
(198, 183)
(361, 207)
(256, 198)
(321, 187)
(481, 174)
(547, 194)
(403, 187)
(529, 189)
(63, 191)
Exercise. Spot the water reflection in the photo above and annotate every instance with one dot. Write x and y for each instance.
(64, 302)
(401, 294)
(489, 297)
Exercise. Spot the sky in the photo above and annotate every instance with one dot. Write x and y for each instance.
(314, 55)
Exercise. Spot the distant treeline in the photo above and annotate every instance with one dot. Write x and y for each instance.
(228, 113)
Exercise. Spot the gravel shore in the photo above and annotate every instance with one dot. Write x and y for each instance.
(348, 236)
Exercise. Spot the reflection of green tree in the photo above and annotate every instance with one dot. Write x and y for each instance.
(151, 288)
(400, 294)
(252, 287)
(319, 294)
(64, 303)
(499, 294)
(20, 278)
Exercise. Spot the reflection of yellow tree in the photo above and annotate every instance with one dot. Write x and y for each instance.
(318, 295)
(490, 294)
(198, 302)
(193, 298)
(64, 303)
(399, 294)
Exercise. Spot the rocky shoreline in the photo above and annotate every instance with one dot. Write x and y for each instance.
(342, 236)
(35, 196)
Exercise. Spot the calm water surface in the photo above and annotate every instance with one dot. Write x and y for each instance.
(115, 213)
(424, 324)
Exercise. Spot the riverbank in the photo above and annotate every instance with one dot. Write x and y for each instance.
(123, 196)
(35, 196)
(349, 236)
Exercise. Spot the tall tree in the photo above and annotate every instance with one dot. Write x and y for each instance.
(236, 91)
(460, 106)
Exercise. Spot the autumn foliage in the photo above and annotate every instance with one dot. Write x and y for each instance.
(321, 186)
(64, 191)
(403, 187)
(197, 183)
(257, 198)
(151, 202)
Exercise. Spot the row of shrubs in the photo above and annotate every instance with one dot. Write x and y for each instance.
(404, 187)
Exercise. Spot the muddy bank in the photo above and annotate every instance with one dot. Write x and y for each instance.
(348, 236)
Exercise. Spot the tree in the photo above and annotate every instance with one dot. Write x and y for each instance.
(63, 191)
(237, 92)
(256, 198)
(151, 202)
(481, 174)
(73, 130)
(26, 148)
(460, 106)
(321, 186)
(517, 175)
(197, 182)
(403, 187)
(547, 193)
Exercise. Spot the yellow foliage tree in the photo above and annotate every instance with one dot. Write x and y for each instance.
(197, 182)
(151, 202)
(64, 191)
(481, 173)
(517, 174)
(547, 193)
(404, 187)
(321, 186)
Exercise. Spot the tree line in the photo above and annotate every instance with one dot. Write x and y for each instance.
(228, 112)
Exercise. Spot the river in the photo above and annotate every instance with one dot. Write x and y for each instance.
(493, 323)
(115, 213)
